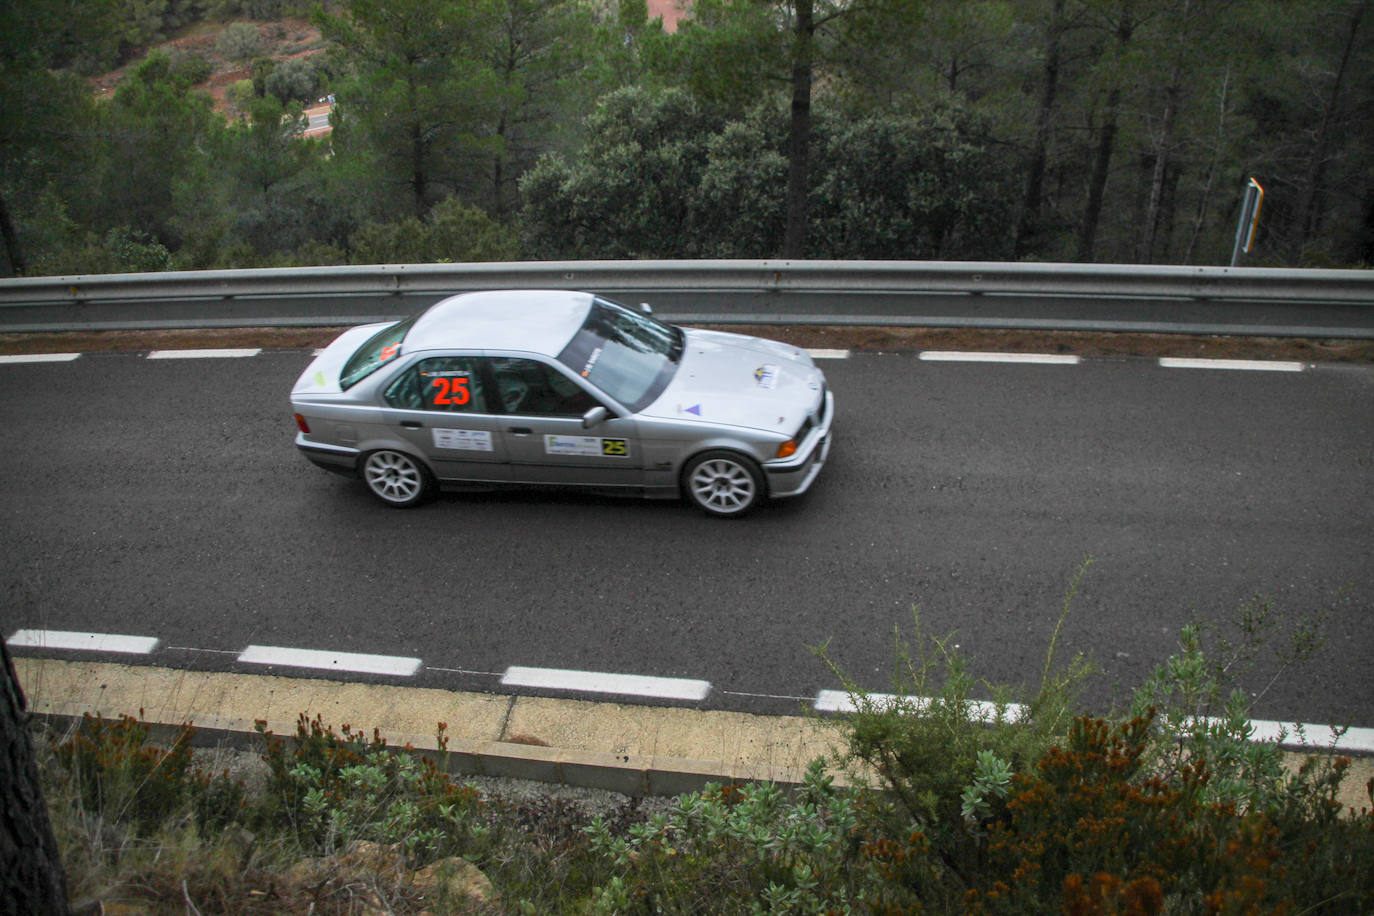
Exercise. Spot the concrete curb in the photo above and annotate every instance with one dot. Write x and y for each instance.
(632, 750)
(750, 748)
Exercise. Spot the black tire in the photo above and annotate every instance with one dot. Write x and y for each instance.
(723, 484)
(397, 479)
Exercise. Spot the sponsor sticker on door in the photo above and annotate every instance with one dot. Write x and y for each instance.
(586, 446)
(469, 440)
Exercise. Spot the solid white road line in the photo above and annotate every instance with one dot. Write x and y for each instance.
(330, 661)
(1248, 365)
(1291, 735)
(829, 354)
(1315, 737)
(841, 701)
(91, 642)
(669, 688)
(958, 356)
(40, 358)
(203, 354)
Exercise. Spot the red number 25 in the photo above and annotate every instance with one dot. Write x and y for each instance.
(451, 391)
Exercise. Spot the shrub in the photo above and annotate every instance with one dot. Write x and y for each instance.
(240, 42)
(334, 790)
(746, 849)
(295, 79)
(118, 776)
(944, 760)
(452, 232)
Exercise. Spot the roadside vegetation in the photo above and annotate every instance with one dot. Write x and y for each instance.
(990, 808)
(159, 134)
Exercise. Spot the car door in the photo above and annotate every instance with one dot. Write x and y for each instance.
(543, 408)
(443, 407)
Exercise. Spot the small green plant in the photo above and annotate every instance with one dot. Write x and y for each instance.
(120, 776)
(743, 849)
(944, 759)
(335, 790)
(1200, 711)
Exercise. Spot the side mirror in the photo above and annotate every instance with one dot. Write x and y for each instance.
(595, 417)
(644, 307)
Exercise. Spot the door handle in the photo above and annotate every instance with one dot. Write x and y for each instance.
(522, 430)
(412, 424)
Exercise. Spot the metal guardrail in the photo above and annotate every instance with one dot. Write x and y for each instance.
(1219, 300)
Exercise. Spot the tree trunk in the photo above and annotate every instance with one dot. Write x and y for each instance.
(418, 178)
(1097, 182)
(799, 137)
(1311, 212)
(1173, 97)
(1027, 227)
(1200, 216)
(1106, 145)
(31, 877)
(13, 252)
(1150, 227)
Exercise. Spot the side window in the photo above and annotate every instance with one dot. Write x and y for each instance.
(526, 386)
(451, 384)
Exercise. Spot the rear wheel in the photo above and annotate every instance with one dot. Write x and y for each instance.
(724, 484)
(396, 478)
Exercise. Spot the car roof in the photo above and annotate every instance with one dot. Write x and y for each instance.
(538, 321)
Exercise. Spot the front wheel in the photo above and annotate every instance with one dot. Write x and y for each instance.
(724, 484)
(396, 478)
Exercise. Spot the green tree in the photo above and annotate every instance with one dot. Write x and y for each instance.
(416, 88)
(45, 116)
(911, 188)
(155, 133)
(542, 56)
(733, 47)
(628, 192)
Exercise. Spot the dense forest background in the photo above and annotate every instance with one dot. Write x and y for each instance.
(170, 134)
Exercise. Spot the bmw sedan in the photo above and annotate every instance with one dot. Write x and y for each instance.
(564, 389)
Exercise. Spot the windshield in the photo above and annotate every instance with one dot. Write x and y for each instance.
(629, 355)
(380, 349)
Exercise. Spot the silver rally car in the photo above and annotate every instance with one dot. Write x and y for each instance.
(554, 388)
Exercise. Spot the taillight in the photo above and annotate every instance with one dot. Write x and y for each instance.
(302, 425)
(787, 449)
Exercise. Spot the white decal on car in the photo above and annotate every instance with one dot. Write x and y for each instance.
(586, 446)
(472, 440)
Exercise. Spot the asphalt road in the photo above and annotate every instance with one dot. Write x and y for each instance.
(165, 498)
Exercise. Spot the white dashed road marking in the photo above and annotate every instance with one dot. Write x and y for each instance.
(668, 688)
(1248, 365)
(330, 661)
(91, 642)
(40, 358)
(203, 354)
(828, 354)
(1041, 359)
(1291, 735)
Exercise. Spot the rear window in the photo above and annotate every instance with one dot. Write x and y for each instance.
(379, 350)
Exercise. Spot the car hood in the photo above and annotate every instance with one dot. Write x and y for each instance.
(741, 381)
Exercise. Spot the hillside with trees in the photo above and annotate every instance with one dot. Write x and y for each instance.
(169, 134)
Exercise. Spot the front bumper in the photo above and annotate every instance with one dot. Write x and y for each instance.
(794, 476)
